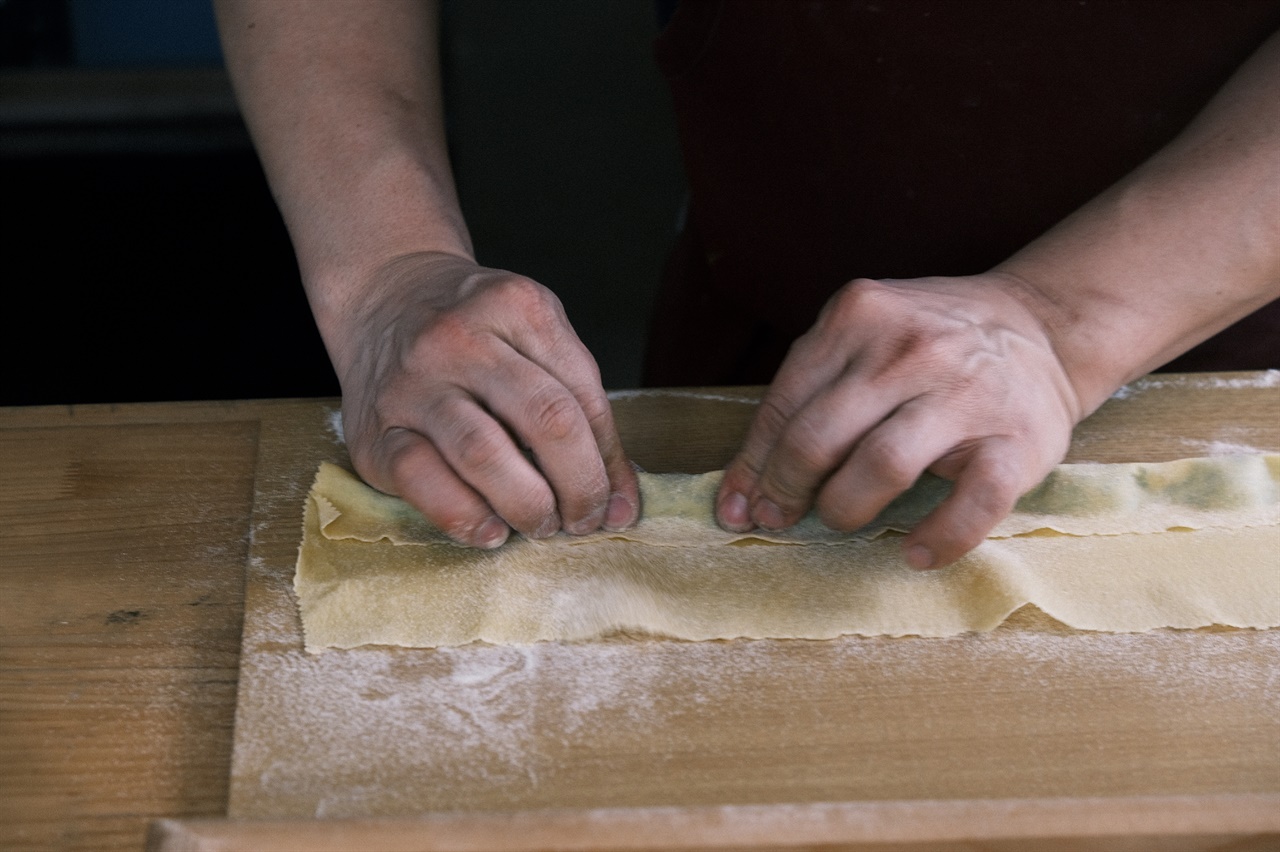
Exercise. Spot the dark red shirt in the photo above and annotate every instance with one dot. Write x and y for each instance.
(826, 141)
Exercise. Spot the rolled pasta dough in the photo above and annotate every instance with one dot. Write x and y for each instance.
(1099, 547)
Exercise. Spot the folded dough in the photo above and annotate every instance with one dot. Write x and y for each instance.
(1100, 547)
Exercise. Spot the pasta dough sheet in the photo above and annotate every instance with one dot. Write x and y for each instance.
(1100, 547)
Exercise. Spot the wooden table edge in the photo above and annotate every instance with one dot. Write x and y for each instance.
(851, 825)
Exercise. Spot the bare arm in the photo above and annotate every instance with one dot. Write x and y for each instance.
(343, 100)
(448, 369)
(1175, 252)
(981, 378)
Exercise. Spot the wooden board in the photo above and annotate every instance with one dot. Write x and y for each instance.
(123, 538)
(1032, 710)
(1143, 824)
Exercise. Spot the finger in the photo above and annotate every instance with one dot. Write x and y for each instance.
(622, 489)
(733, 506)
(481, 453)
(623, 509)
(582, 377)
(816, 442)
(801, 375)
(407, 465)
(564, 357)
(986, 490)
(551, 421)
(887, 461)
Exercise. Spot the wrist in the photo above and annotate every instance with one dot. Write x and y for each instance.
(1086, 351)
(355, 304)
(386, 205)
(1113, 287)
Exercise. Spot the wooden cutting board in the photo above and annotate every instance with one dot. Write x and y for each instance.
(1032, 712)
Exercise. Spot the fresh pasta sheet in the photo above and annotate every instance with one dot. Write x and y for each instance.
(1115, 547)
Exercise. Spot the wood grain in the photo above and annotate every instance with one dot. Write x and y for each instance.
(1033, 709)
(1199, 824)
(122, 548)
(125, 532)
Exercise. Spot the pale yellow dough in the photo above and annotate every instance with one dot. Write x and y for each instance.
(1100, 547)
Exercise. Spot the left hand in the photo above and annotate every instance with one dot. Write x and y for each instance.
(958, 376)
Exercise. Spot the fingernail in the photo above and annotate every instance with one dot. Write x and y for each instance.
(492, 533)
(919, 557)
(549, 526)
(768, 515)
(620, 514)
(589, 524)
(734, 512)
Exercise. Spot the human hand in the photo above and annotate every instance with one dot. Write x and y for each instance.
(449, 371)
(957, 376)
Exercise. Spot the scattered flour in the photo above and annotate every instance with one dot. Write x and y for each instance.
(1230, 440)
(335, 426)
(1263, 379)
(680, 394)
(516, 727)
(1220, 448)
(497, 727)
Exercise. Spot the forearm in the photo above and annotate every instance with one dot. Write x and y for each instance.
(449, 371)
(1176, 251)
(343, 102)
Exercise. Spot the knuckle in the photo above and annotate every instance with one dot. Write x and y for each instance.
(810, 446)
(383, 459)
(598, 413)
(604, 430)
(377, 471)
(480, 448)
(788, 493)
(773, 413)
(739, 477)
(588, 386)
(1002, 477)
(889, 461)
(554, 415)
(532, 299)
(374, 466)
(449, 333)
(403, 461)
(860, 299)
(806, 348)
(995, 496)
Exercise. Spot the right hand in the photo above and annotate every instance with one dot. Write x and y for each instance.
(450, 370)
(958, 376)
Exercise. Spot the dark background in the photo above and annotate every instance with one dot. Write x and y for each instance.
(144, 258)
